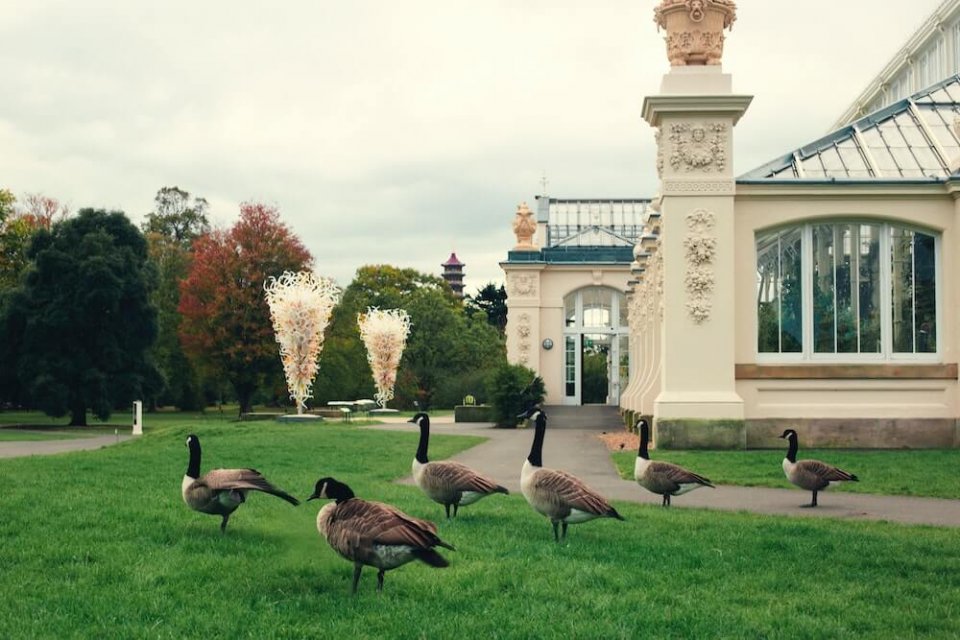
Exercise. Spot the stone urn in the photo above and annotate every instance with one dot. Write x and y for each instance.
(695, 29)
(524, 226)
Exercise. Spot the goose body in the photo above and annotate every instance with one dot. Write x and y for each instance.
(373, 533)
(446, 482)
(663, 478)
(221, 491)
(812, 475)
(558, 495)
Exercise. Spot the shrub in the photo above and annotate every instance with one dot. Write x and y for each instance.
(511, 389)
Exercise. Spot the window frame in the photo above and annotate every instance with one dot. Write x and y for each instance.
(807, 355)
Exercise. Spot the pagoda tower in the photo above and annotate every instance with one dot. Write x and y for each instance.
(453, 274)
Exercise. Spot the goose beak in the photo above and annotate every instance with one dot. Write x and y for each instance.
(412, 421)
(313, 497)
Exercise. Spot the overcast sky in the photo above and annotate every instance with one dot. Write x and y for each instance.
(395, 132)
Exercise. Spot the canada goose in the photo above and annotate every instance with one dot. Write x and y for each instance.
(372, 533)
(448, 482)
(563, 498)
(664, 478)
(811, 475)
(221, 491)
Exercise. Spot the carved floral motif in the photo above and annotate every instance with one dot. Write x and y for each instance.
(523, 333)
(695, 29)
(522, 285)
(698, 146)
(700, 247)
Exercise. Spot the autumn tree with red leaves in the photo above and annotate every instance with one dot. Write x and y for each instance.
(226, 322)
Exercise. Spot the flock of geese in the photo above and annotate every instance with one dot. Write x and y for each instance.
(379, 535)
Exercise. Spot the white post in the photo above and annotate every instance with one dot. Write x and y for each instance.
(137, 418)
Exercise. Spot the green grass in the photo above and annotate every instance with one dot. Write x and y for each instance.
(919, 472)
(100, 544)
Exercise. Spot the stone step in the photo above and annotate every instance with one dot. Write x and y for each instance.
(597, 417)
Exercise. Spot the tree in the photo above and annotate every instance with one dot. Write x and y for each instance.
(448, 354)
(225, 319)
(170, 230)
(176, 217)
(18, 224)
(492, 300)
(78, 327)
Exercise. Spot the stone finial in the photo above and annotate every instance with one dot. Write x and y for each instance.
(524, 226)
(695, 29)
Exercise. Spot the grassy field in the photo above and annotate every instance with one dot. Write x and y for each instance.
(920, 472)
(100, 544)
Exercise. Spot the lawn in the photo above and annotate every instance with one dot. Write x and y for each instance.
(100, 544)
(917, 472)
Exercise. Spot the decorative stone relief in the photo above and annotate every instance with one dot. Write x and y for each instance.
(695, 29)
(522, 285)
(523, 333)
(700, 248)
(713, 187)
(656, 137)
(698, 146)
(524, 226)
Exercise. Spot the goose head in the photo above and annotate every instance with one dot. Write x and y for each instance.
(536, 414)
(331, 489)
(643, 428)
(789, 434)
(420, 419)
(193, 468)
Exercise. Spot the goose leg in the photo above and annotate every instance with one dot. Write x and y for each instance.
(667, 497)
(663, 503)
(564, 535)
(223, 523)
(446, 507)
(380, 581)
(456, 507)
(813, 502)
(556, 537)
(357, 568)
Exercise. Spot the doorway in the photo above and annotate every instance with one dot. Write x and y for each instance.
(596, 357)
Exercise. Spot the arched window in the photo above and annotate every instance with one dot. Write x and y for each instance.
(843, 290)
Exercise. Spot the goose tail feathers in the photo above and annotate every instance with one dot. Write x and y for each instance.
(431, 557)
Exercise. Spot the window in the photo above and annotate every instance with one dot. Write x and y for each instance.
(846, 291)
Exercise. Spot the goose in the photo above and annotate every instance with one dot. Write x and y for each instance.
(811, 475)
(372, 533)
(221, 491)
(664, 478)
(562, 497)
(447, 482)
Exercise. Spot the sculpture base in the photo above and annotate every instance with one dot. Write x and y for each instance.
(300, 418)
(380, 412)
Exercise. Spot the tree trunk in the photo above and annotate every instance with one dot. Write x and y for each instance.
(78, 417)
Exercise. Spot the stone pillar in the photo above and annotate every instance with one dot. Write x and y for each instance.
(137, 418)
(694, 115)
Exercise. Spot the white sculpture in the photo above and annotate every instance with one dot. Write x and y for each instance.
(300, 306)
(384, 333)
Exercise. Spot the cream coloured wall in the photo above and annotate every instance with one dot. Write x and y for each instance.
(545, 310)
(769, 206)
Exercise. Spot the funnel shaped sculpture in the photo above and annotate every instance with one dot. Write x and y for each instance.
(300, 306)
(384, 333)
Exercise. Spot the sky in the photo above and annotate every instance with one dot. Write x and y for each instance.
(395, 132)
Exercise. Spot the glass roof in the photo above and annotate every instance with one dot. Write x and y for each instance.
(913, 139)
(593, 223)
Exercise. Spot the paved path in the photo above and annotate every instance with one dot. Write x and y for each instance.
(16, 449)
(580, 452)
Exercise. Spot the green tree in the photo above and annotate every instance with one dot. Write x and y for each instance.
(512, 389)
(170, 230)
(78, 327)
(448, 353)
(225, 321)
(492, 300)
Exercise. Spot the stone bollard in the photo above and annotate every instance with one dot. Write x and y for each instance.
(137, 418)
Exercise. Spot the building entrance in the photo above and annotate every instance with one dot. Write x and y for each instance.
(596, 354)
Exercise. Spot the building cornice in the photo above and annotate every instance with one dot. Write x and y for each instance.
(734, 106)
(833, 190)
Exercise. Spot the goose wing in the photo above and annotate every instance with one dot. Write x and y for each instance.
(460, 477)
(824, 471)
(245, 480)
(676, 475)
(571, 491)
(359, 523)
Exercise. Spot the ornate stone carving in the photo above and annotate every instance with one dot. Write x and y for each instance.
(719, 187)
(695, 29)
(700, 248)
(698, 146)
(523, 334)
(524, 226)
(522, 285)
(656, 137)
